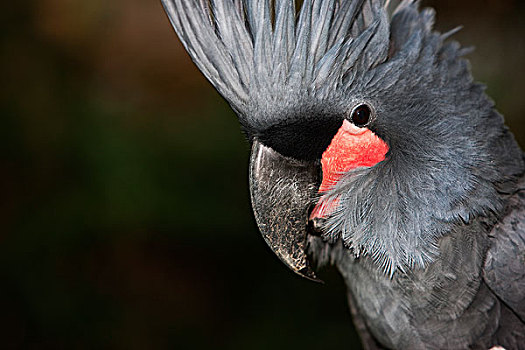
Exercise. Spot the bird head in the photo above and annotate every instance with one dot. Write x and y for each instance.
(370, 118)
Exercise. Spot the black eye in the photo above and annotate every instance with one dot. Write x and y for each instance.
(361, 115)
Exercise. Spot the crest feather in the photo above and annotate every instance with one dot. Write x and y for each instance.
(255, 51)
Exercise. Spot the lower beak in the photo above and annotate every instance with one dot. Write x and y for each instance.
(281, 191)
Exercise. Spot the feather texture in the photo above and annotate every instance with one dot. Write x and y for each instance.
(449, 149)
(504, 269)
(276, 66)
(429, 241)
(255, 59)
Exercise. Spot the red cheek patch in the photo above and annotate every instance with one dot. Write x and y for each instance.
(351, 148)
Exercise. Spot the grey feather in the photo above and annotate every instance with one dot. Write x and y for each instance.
(447, 305)
(255, 62)
(428, 87)
(504, 269)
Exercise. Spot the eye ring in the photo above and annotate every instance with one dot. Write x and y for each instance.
(361, 115)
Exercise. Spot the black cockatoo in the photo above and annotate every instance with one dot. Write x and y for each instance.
(374, 150)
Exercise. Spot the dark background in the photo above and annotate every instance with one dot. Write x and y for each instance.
(125, 220)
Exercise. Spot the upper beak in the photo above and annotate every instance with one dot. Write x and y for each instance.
(281, 191)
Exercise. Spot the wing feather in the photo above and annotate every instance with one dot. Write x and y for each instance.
(504, 270)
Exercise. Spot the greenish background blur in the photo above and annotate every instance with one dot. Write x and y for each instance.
(125, 217)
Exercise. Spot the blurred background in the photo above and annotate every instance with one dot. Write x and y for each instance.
(125, 221)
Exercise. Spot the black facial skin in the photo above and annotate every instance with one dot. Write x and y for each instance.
(301, 140)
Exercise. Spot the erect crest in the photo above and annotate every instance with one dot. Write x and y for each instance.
(262, 55)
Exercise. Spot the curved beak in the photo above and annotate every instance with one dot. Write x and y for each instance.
(281, 191)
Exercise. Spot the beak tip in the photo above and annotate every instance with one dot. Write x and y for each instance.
(309, 274)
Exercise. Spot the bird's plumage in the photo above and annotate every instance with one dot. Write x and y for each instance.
(272, 64)
(454, 303)
(504, 270)
(431, 241)
(449, 152)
